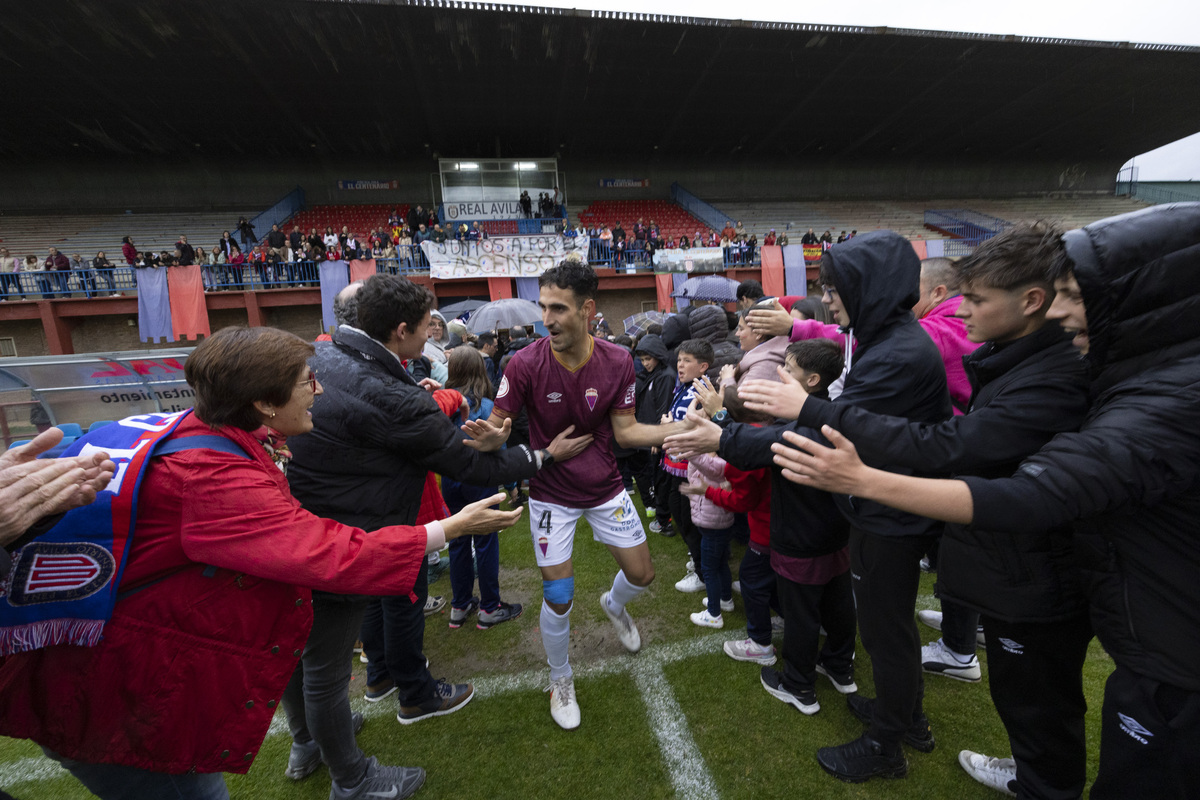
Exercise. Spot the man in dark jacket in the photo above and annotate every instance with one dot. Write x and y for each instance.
(1027, 385)
(1129, 481)
(376, 433)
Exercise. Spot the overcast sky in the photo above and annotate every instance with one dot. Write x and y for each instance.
(1150, 21)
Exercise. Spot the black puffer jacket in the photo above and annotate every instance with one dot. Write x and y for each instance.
(896, 369)
(375, 435)
(1023, 393)
(1130, 478)
(712, 325)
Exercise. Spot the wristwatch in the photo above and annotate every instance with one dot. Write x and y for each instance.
(720, 415)
(545, 459)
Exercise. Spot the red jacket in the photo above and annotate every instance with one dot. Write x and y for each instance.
(193, 663)
(749, 492)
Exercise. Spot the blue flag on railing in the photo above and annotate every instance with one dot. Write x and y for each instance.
(335, 276)
(154, 305)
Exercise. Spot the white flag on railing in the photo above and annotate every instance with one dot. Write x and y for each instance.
(500, 256)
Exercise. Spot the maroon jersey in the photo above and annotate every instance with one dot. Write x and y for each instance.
(556, 398)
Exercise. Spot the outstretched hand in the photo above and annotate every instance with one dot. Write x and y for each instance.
(704, 436)
(32, 488)
(708, 397)
(769, 322)
(480, 518)
(835, 469)
(695, 490)
(784, 398)
(565, 446)
(486, 437)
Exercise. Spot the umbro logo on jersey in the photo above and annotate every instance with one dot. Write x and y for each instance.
(1016, 648)
(1134, 728)
(554, 397)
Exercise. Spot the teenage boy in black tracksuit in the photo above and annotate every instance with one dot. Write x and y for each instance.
(1028, 384)
(871, 284)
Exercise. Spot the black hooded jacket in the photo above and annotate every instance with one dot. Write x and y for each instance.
(896, 369)
(1129, 479)
(1022, 394)
(375, 435)
(654, 389)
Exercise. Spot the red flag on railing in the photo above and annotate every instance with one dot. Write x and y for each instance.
(773, 282)
(189, 313)
(361, 269)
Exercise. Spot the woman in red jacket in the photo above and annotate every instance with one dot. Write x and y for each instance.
(214, 608)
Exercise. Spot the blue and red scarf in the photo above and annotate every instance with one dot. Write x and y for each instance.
(63, 584)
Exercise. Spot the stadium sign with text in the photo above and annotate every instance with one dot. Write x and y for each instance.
(624, 183)
(488, 209)
(368, 185)
(499, 257)
(697, 259)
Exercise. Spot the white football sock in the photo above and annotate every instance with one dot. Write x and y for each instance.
(556, 638)
(622, 592)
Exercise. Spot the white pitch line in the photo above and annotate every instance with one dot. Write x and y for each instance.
(688, 772)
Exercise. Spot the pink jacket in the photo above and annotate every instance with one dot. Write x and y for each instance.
(705, 513)
(947, 331)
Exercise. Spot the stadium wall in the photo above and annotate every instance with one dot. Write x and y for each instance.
(146, 185)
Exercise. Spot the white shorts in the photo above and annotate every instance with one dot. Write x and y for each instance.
(615, 523)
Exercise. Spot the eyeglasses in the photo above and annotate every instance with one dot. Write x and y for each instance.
(311, 381)
(828, 291)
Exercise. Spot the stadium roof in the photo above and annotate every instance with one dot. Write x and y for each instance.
(297, 78)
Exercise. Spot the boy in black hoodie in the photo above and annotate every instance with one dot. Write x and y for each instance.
(871, 284)
(654, 386)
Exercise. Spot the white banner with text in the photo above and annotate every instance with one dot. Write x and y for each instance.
(484, 209)
(500, 256)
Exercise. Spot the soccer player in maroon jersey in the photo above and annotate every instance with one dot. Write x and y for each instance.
(571, 379)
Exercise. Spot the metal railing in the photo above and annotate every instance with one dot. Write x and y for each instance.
(261, 275)
(1157, 195)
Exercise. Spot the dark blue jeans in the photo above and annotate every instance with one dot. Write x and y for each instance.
(393, 637)
(758, 594)
(718, 580)
(115, 782)
(486, 564)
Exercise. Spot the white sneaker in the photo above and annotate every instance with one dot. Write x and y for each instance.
(750, 650)
(776, 626)
(934, 620)
(564, 708)
(937, 659)
(627, 632)
(706, 620)
(996, 773)
(690, 583)
(737, 587)
(931, 618)
(726, 605)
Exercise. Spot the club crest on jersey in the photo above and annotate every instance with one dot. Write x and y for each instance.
(544, 544)
(591, 395)
(48, 572)
(503, 388)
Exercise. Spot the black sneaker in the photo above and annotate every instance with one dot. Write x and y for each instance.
(919, 736)
(459, 615)
(805, 702)
(447, 698)
(503, 613)
(377, 691)
(863, 759)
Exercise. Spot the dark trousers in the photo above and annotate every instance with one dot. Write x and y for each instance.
(681, 515)
(486, 559)
(1149, 740)
(393, 637)
(808, 608)
(959, 627)
(1035, 671)
(316, 700)
(662, 494)
(718, 580)
(886, 574)
(758, 594)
